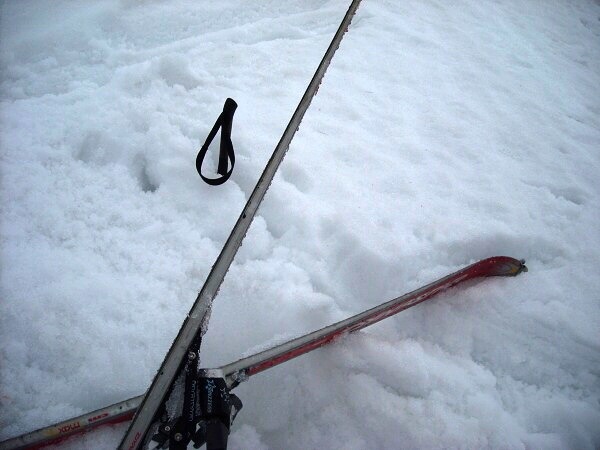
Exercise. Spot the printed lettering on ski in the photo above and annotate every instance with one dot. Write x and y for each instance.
(69, 427)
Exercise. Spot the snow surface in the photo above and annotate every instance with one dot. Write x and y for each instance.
(443, 133)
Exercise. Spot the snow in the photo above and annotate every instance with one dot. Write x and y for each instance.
(442, 133)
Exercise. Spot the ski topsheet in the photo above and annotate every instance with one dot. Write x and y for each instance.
(182, 359)
(241, 370)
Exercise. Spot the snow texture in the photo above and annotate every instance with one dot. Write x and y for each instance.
(443, 133)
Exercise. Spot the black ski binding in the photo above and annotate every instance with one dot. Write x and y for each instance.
(206, 419)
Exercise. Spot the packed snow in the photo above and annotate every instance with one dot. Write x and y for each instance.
(443, 133)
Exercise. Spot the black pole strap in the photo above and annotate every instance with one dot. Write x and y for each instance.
(224, 122)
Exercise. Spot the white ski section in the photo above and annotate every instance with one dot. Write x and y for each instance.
(443, 133)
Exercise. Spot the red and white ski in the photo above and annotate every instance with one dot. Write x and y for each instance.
(230, 375)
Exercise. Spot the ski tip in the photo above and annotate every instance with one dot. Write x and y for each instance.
(514, 267)
(521, 268)
(504, 266)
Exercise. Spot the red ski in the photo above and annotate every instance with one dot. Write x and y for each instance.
(229, 376)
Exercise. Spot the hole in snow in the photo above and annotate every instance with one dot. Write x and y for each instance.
(145, 180)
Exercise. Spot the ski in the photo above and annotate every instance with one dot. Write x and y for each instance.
(58, 432)
(229, 376)
(171, 401)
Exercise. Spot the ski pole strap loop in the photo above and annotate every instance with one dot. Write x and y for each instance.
(224, 121)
